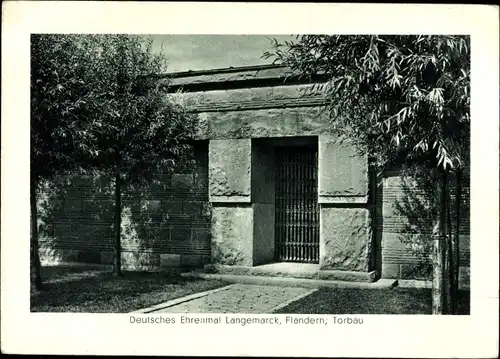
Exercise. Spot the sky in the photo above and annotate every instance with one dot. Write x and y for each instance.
(202, 52)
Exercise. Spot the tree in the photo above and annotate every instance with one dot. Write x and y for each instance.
(96, 106)
(399, 99)
(141, 130)
(61, 103)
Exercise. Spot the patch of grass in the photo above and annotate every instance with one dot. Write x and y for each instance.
(370, 301)
(68, 289)
(57, 273)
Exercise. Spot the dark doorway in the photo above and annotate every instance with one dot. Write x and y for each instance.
(296, 205)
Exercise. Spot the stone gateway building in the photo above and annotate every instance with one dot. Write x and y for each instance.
(272, 191)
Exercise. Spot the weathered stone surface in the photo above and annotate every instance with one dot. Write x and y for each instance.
(251, 98)
(232, 235)
(201, 235)
(73, 204)
(390, 270)
(72, 255)
(62, 229)
(152, 206)
(343, 199)
(194, 260)
(293, 270)
(88, 256)
(170, 260)
(342, 172)
(261, 72)
(347, 276)
(229, 170)
(148, 215)
(193, 208)
(230, 199)
(107, 257)
(99, 205)
(182, 180)
(172, 207)
(345, 239)
(286, 122)
(405, 248)
(180, 234)
(415, 271)
(263, 248)
(140, 261)
(404, 226)
(464, 250)
(92, 231)
(464, 278)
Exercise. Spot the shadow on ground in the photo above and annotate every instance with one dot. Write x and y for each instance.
(415, 208)
(168, 215)
(370, 301)
(106, 293)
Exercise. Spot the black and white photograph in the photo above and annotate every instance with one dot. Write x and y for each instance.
(269, 175)
(307, 179)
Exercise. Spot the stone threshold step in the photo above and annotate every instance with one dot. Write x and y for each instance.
(293, 282)
(293, 270)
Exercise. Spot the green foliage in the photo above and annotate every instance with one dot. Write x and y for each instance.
(400, 98)
(97, 105)
(61, 102)
(141, 128)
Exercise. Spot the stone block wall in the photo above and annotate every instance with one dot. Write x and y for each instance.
(229, 170)
(346, 240)
(232, 235)
(343, 173)
(404, 227)
(222, 209)
(75, 217)
(164, 225)
(263, 123)
(230, 166)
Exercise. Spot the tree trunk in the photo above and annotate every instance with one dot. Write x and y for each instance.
(448, 264)
(456, 241)
(36, 270)
(438, 252)
(118, 224)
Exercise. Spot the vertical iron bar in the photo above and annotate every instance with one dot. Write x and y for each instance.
(287, 171)
(316, 205)
(304, 222)
(310, 214)
(296, 207)
(308, 211)
(293, 203)
(284, 203)
(300, 198)
(304, 206)
(277, 207)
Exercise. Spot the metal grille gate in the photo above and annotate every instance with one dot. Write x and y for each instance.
(297, 213)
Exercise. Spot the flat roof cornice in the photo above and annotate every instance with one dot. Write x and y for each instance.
(223, 70)
(235, 77)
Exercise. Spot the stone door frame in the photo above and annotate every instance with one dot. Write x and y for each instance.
(241, 190)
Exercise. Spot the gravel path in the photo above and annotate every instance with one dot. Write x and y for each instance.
(240, 298)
